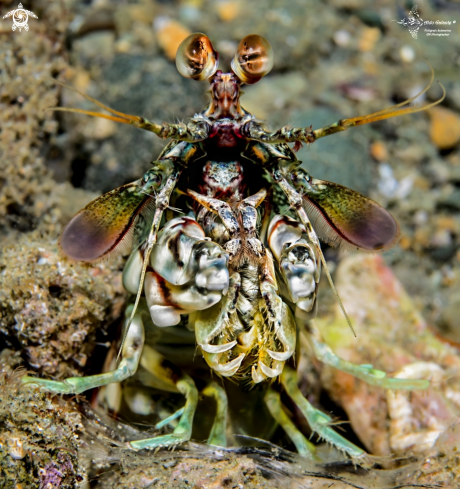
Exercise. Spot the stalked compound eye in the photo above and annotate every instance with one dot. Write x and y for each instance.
(253, 59)
(196, 57)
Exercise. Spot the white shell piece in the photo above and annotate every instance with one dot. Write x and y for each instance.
(283, 229)
(132, 272)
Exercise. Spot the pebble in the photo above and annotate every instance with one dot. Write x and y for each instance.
(441, 238)
(407, 54)
(102, 128)
(420, 217)
(227, 9)
(379, 151)
(170, 34)
(342, 38)
(369, 38)
(444, 128)
(81, 80)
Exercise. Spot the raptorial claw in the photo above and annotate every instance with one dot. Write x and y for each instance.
(272, 372)
(299, 264)
(230, 368)
(218, 348)
(280, 356)
(190, 272)
(163, 297)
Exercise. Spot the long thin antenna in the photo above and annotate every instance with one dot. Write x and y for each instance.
(138, 297)
(339, 300)
(162, 201)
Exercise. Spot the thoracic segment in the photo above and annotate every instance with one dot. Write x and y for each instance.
(241, 323)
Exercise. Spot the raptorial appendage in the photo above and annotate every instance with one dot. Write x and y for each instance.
(299, 263)
(187, 272)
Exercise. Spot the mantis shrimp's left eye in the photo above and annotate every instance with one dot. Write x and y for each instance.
(196, 58)
(253, 59)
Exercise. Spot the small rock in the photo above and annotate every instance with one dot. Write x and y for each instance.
(379, 151)
(441, 238)
(445, 127)
(342, 38)
(369, 38)
(407, 54)
(228, 9)
(170, 34)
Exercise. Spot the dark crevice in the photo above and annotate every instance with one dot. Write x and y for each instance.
(78, 168)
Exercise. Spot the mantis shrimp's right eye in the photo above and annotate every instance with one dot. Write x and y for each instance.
(253, 59)
(196, 58)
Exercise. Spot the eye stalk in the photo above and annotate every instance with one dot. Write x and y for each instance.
(196, 58)
(253, 59)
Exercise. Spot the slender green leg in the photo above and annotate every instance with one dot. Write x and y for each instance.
(317, 420)
(218, 435)
(183, 430)
(130, 360)
(364, 372)
(304, 447)
(169, 419)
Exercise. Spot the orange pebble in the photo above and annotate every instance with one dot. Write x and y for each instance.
(445, 127)
(405, 242)
(379, 151)
(368, 39)
(170, 35)
(228, 10)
